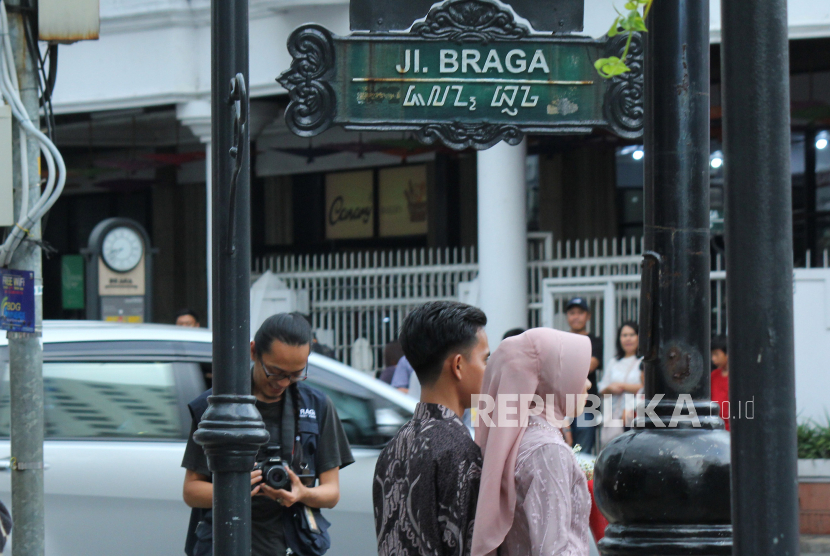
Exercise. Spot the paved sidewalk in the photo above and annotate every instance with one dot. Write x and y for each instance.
(815, 545)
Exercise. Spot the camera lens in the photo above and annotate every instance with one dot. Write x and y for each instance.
(277, 478)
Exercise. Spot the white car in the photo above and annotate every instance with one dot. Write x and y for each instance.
(116, 426)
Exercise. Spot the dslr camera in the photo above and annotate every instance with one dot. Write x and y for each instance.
(274, 469)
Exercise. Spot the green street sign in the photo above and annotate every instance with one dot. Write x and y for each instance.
(467, 75)
(72, 281)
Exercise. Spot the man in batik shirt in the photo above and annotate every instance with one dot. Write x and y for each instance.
(426, 479)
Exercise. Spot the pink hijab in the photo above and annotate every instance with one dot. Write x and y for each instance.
(541, 361)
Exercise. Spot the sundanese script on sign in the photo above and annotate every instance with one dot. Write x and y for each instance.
(501, 82)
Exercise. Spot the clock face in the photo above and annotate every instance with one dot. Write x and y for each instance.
(122, 249)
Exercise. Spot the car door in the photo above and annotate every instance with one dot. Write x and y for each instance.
(370, 421)
(115, 432)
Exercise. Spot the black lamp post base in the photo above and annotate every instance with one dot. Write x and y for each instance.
(665, 491)
(667, 540)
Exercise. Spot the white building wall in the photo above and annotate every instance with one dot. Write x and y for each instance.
(153, 53)
(158, 51)
(811, 315)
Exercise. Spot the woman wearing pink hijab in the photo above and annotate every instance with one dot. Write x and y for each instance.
(533, 498)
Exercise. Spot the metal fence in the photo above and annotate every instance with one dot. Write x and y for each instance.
(583, 259)
(366, 295)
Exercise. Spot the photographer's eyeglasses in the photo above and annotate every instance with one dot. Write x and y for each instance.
(279, 375)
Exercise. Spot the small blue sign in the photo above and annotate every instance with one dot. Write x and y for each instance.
(17, 300)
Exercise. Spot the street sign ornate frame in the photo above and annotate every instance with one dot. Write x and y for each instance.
(314, 72)
(378, 16)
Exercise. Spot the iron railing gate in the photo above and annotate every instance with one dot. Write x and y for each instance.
(367, 294)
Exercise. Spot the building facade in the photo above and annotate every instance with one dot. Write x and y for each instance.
(132, 118)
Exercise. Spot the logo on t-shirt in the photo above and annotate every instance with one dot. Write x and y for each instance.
(308, 414)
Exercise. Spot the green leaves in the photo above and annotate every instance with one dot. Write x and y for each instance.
(632, 22)
(615, 28)
(609, 67)
(814, 440)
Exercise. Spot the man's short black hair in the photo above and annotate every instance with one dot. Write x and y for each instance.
(292, 329)
(433, 331)
(719, 342)
(186, 311)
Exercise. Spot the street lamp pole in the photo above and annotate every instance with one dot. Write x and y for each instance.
(231, 429)
(665, 489)
(759, 273)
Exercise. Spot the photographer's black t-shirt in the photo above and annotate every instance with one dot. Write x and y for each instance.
(266, 514)
(266, 528)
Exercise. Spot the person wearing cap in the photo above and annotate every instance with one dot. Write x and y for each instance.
(579, 313)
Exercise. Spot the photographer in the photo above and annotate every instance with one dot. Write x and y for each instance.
(306, 434)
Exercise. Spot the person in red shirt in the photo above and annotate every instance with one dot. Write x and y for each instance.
(720, 377)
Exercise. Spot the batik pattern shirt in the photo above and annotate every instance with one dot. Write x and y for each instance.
(426, 487)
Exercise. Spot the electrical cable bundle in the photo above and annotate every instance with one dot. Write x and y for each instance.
(54, 161)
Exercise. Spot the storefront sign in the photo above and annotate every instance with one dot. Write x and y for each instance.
(467, 75)
(350, 205)
(403, 201)
(17, 300)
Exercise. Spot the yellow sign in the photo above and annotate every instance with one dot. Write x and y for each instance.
(403, 201)
(132, 319)
(350, 205)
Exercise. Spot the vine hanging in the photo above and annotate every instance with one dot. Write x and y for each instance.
(630, 23)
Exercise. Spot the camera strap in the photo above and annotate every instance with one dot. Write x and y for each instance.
(289, 436)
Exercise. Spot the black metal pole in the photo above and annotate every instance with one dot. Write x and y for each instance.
(759, 272)
(231, 430)
(676, 196)
(810, 195)
(666, 490)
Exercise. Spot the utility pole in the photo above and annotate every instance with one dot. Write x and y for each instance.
(25, 352)
(759, 274)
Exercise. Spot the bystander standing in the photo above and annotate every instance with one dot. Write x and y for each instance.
(322, 349)
(720, 377)
(583, 429)
(402, 377)
(512, 332)
(623, 375)
(392, 353)
(188, 317)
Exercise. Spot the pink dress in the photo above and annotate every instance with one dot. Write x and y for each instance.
(552, 500)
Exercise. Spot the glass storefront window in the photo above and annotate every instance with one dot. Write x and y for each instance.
(630, 191)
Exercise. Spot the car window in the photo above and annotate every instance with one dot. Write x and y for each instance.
(368, 418)
(105, 400)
